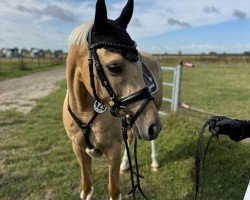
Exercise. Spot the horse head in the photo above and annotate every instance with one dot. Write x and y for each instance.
(117, 72)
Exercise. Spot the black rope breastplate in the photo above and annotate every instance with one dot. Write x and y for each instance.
(85, 127)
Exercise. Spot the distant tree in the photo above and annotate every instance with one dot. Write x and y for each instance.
(57, 54)
(48, 53)
(25, 52)
(246, 53)
(212, 53)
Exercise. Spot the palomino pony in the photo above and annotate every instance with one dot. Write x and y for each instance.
(104, 70)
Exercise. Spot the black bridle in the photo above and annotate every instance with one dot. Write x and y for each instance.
(118, 104)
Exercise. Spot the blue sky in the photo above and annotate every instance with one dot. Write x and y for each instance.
(159, 26)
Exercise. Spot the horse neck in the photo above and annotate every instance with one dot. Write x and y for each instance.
(80, 99)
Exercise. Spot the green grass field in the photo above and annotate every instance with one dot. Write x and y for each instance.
(37, 161)
(13, 67)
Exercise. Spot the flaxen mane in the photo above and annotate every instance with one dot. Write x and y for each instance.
(79, 35)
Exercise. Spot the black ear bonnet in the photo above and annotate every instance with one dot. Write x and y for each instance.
(112, 33)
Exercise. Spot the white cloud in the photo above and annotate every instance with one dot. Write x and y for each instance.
(211, 10)
(38, 23)
(51, 10)
(175, 22)
(154, 18)
(26, 24)
(240, 14)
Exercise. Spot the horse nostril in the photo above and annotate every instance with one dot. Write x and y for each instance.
(152, 131)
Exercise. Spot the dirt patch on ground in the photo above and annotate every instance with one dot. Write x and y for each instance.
(21, 93)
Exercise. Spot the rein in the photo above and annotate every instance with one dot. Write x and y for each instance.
(134, 186)
(198, 157)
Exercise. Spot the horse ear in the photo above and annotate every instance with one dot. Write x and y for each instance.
(126, 14)
(100, 15)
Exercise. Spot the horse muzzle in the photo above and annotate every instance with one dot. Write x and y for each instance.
(151, 133)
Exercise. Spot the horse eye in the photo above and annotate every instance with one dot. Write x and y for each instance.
(115, 69)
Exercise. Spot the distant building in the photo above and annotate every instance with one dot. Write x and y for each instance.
(37, 53)
(24, 52)
(57, 54)
(1, 53)
(9, 53)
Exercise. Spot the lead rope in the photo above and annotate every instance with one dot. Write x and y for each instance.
(132, 173)
(198, 159)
